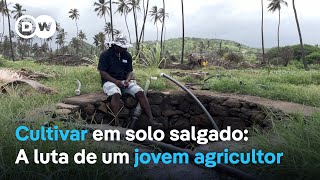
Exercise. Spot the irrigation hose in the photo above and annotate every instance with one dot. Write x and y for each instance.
(194, 97)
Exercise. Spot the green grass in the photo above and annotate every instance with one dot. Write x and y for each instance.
(289, 85)
(301, 136)
(298, 138)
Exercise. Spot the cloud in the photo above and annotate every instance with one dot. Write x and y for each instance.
(227, 19)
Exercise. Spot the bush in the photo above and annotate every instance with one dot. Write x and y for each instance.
(233, 57)
(313, 57)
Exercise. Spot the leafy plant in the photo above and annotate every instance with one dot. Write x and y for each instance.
(150, 56)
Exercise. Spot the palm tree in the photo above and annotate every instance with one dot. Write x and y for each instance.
(155, 17)
(111, 19)
(123, 9)
(74, 15)
(262, 34)
(9, 24)
(82, 37)
(108, 29)
(182, 51)
(162, 15)
(300, 37)
(102, 9)
(4, 13)
(61, 39)
(275, 5)
(163, 24)
(134, 5)
(18, 11)
(144, 22)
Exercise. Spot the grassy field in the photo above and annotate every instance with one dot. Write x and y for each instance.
(300, 137)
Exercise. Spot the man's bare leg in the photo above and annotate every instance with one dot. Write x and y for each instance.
(115, 107)
(147, 109)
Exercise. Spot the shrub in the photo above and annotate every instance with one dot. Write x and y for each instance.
(233, 57)
(313, 57)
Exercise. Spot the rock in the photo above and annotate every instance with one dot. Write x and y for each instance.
(89, 109)
(246, 111)
(233, 103)
(99, 118)
(218, 100)
(130, 102)
(235, 123)
(200, 120)
(63, 112)
(85, 99)
(180, 124)
(195, 109)
(218, 110)
(103, 107)
(235, 112)
(73, 108)
(169, 112)
(156, 110)
(124, 113)
(184, 106)
(257, 117)
(155, 99)
(204, 99)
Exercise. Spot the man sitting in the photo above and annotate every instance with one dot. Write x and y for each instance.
(115, 66)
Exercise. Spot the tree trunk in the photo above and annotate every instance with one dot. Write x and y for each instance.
(77, 29)
(262, 35)
(136, 28)
(12, 53)
(300, 37)
(144, 22)
(279, 37)
(164, 17)
(111, 20)
(2, 27)
(125, 19)
(157, 32)
(182, 51)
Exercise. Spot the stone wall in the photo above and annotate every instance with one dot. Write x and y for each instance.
(176, 111)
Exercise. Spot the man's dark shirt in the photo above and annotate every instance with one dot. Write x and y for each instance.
(116, 67)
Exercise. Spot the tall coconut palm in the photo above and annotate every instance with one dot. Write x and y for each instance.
(102, 9)
(134, 6)
(124, 9)
(9, 25)
(108, 29)
(82, 37)
(74, 15)
(300, 37)
(275, 5)
(182, 50)
(162, 15)
(163, 24)
(111, 19)
(4, 12)
(144, 21)
(155, 17)
(18, 11)
(262, 33)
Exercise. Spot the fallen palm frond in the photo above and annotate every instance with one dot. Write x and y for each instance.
(12, 77)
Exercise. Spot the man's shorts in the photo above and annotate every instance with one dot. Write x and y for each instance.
(110, 89)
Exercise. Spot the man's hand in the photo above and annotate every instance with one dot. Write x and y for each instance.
(126, 84)
(119, 84)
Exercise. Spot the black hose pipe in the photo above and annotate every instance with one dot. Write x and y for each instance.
(194, 97)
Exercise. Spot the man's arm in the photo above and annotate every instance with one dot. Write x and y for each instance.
(129, 76)
(107, 77)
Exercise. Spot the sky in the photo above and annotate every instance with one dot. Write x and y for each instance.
(221, 19)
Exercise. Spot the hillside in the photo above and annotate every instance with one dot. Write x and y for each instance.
(201, 45)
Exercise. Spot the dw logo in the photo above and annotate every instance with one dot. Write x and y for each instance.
(43, 26)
